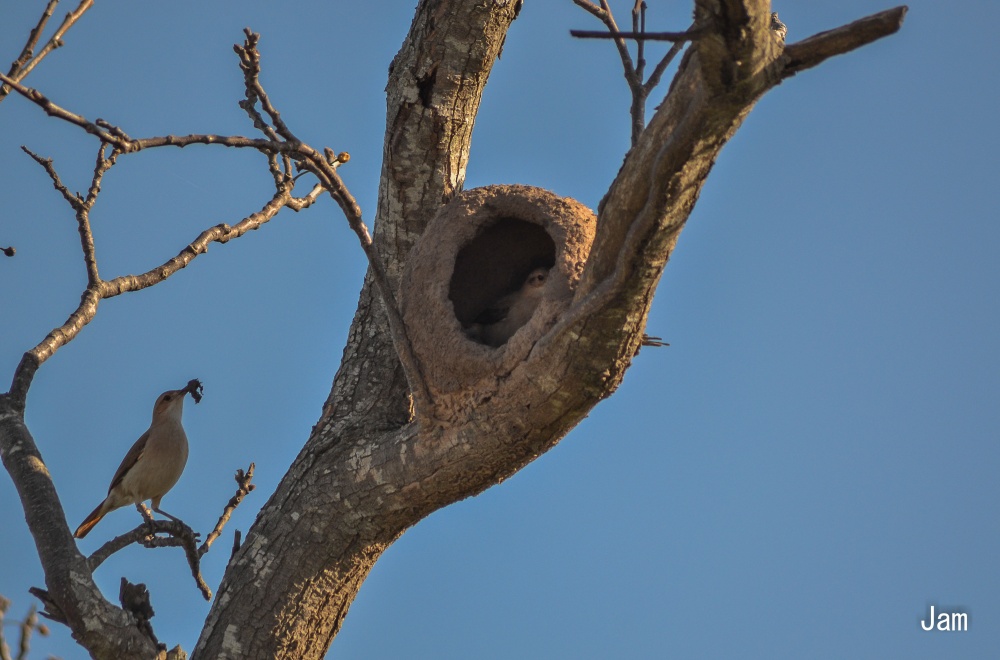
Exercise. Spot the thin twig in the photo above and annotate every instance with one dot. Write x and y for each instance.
(73, 199)
(604, 15)
(28, 627)
(299, 203)
(639, 26)
(634, 71)
(661, 66)
(690, 35)
(4, 649)
(24, 68)
(322, 165)
(250, 63)
(244, 487)
(33, 36)
(180, 534)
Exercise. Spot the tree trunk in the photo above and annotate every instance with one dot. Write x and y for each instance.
(287, 591)
(369, 470)
(367, 473)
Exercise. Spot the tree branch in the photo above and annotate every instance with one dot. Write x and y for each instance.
(689, 35)
(633, 72)
(4, 649)
(180, 535)
(809, 52)
(25, 63)
(71, 595)
(308, 158)
(434, 90)
(244, 487)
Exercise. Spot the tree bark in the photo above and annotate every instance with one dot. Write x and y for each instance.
(367, 473)
(287, 591)
(100, 627)
(368, 470)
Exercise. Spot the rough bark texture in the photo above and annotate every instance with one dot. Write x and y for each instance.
(308, 534)
(443, 286)
(105, 630)
(366, 475)
(368, 471)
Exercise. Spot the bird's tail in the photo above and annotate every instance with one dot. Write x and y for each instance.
(91, 520)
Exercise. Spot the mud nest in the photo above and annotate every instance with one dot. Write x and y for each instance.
(479, 251)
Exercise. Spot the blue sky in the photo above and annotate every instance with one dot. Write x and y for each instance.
(810, 464)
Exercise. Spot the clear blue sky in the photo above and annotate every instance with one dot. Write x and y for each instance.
(811, 463)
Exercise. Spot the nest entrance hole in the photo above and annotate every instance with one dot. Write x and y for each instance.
(496, 262)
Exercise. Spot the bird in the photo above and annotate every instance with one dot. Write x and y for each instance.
(500, 321)
(778, 26)
(154, 463)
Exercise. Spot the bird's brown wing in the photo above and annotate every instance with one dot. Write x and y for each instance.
(131, 458)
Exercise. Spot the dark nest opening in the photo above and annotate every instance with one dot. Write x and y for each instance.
(508, 252)
(495, 263)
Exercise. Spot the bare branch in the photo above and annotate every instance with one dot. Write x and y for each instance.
(74, 200)
(604, 15)
(633, 73)
(308, 158)
(221, 233)
(180, 534)
(809, 52)
(244, 487)
(100, 169)
(690, 35)
(250, 64)
(639, 26)
(299, 203)
(661, 66)
(82, 206)
(25, 63)
(26, 627)
(4, 649)
(54, 110)
(33, 36)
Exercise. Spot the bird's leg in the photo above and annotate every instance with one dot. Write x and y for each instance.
(164, 513)
(195, 535)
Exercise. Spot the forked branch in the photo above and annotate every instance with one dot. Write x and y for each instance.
(280, 143)
(28, 60)
(634, 71)
(179, 534)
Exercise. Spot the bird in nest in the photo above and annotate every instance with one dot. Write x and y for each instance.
(498, 322)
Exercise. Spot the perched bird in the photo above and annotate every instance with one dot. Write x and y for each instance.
(502, 319)
(778, 26)
(154, 463)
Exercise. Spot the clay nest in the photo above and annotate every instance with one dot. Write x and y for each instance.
(479, 250)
